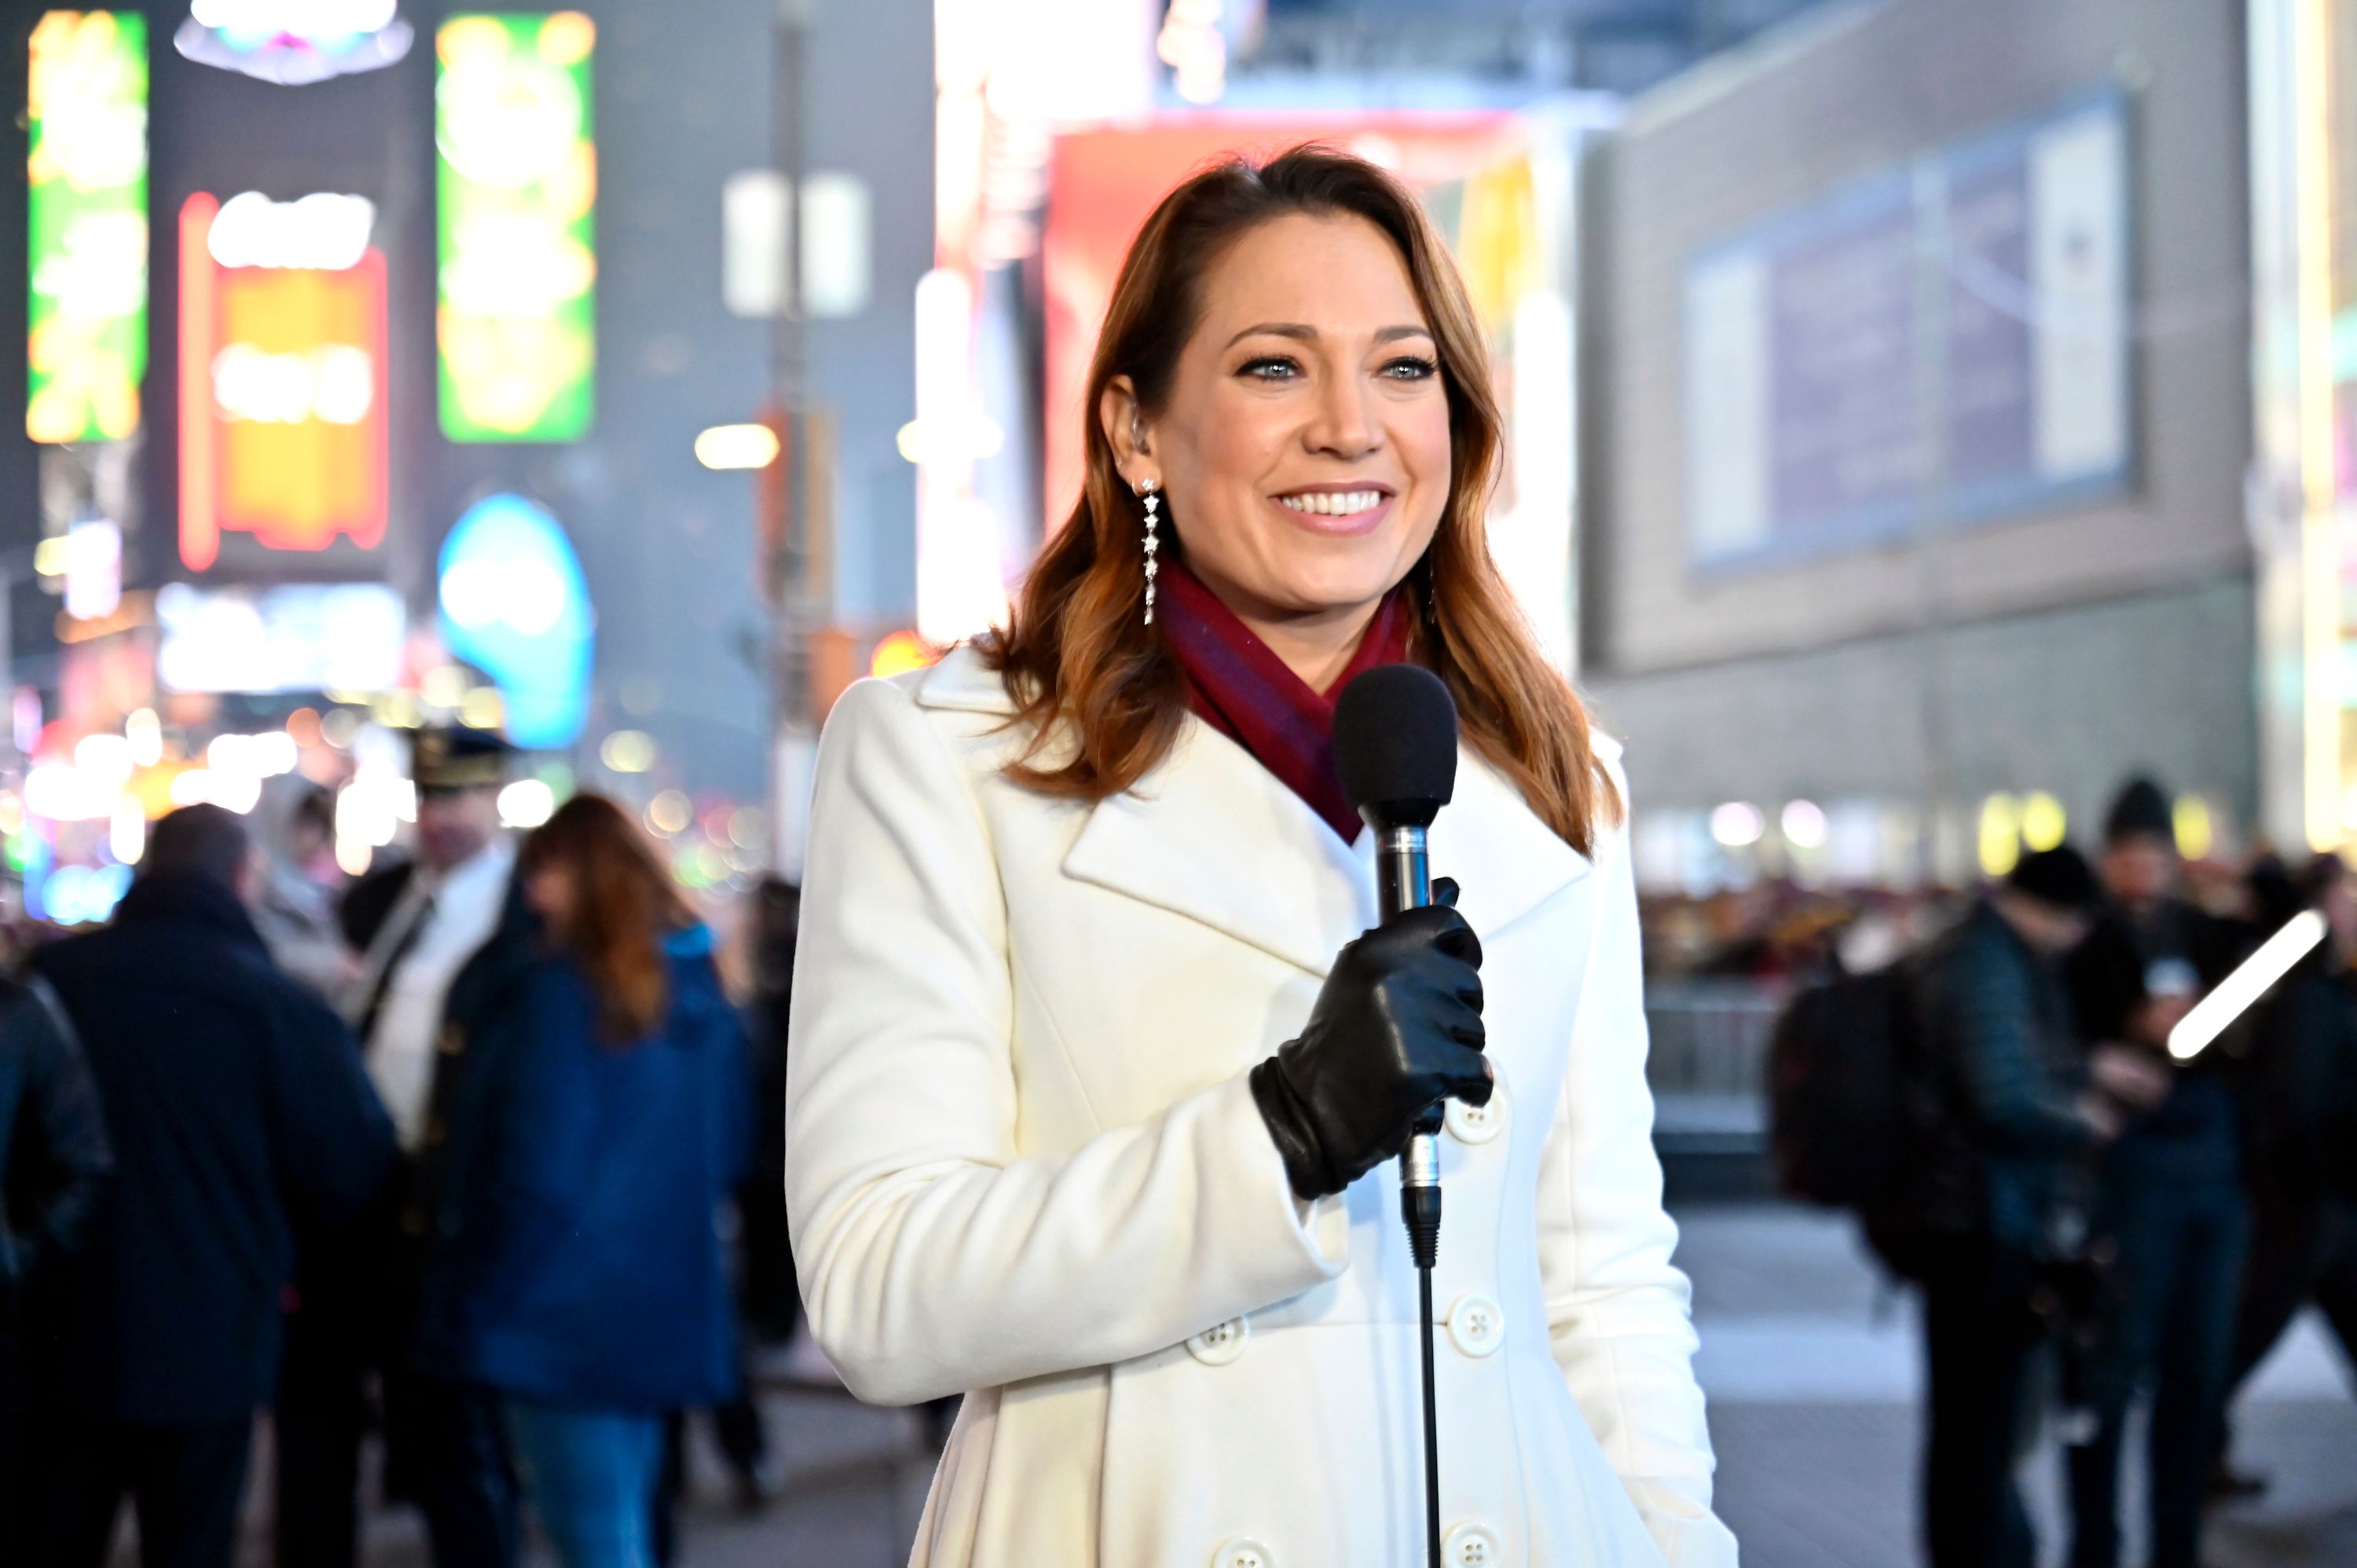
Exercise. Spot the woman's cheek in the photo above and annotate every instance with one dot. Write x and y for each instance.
(1423, 438)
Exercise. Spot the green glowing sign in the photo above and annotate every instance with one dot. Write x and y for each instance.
(518, 188)
(86, 108)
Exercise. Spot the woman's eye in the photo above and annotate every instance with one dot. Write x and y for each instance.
(1411, 369)
(1274, 367)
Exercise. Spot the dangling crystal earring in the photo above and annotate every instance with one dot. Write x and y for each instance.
(1153, 504)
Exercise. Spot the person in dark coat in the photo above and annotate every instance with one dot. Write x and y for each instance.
(239, 1116)
(577, 1267)
(2303, 1135)
(2171, 1205)
(2022, 1120)
(419, 928)
(56, 1160)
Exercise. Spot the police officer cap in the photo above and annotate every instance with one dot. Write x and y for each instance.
(453, 758)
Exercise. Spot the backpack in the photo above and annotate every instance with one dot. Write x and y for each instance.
(1852, 1103)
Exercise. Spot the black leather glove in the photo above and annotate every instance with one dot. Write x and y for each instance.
(1396, 1030)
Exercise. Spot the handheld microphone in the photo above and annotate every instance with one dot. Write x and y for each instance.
(1395, 753)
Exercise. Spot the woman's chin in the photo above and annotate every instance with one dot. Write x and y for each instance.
(1327, 592)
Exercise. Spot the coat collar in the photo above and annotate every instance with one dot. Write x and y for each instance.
(197, 899)
(1212, 835)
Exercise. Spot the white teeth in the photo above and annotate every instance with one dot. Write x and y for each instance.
(1333, 504)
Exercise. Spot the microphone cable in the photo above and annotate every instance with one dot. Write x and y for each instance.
(1420, 1208)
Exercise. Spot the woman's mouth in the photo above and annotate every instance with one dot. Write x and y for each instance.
(1338, 511)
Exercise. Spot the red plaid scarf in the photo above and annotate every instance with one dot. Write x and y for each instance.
(1239, 686)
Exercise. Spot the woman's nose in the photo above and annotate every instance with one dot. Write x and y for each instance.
(1343, 425)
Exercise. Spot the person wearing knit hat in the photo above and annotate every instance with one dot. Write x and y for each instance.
(2140, 810)
(2004, 1190)
(2141, 867)
(2170, 1201)
(2059, 878)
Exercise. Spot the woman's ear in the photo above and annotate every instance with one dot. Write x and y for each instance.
(1124, 426)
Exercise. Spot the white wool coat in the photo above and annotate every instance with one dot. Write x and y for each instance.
(1024, 1164)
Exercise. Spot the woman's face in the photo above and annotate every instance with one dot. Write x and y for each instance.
(1304, 443)
(550, 892)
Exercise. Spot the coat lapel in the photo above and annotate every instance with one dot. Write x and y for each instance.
(1506, 862)
(1210, 834)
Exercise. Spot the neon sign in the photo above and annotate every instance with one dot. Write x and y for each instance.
(294, 41)
(87, 111)
(283, 426)
(516, 606)
(518, 185)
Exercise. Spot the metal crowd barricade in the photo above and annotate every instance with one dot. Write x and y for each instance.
(1707, 1066)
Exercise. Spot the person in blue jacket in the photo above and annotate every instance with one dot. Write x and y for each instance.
(577, 1266)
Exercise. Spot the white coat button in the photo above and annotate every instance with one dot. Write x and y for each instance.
(1242, 1552)
(1477, 1326)
(1472, 1546)
(1219, 1345)
(1479, 1123)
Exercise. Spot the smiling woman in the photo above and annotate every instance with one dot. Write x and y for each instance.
(1098, 1038)
(1289, 359)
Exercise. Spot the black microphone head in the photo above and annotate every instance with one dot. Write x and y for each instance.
(1395, 745)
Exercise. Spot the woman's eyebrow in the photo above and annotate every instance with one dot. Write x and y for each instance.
(1302, 332)
(1295, 330)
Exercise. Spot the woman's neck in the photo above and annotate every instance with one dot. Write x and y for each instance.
(1316, 648)
(1316, 645)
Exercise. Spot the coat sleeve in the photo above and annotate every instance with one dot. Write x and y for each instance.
(936, 1258)
(1618, 1311)
(529, 1164)
(2011, 1092)
(334, 1143)
(72, 1132)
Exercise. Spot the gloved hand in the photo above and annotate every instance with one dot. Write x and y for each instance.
(1396, 1030)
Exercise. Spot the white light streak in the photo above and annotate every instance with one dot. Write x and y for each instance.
(2249, 982)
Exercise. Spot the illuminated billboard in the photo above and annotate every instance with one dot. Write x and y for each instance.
(86, 113)
(283, 429)
(517, 183)
(516, 606)
(308, 637)
(294, 41)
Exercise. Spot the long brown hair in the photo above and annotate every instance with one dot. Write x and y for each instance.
(624, 905)
(1101, 691)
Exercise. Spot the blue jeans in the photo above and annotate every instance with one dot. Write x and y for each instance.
(591, 1476)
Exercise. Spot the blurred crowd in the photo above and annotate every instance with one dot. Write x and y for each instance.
(476, 1156)
(2109, 1129)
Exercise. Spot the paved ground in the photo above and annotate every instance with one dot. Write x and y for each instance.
(1814, 1377)
(1813, 1380)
